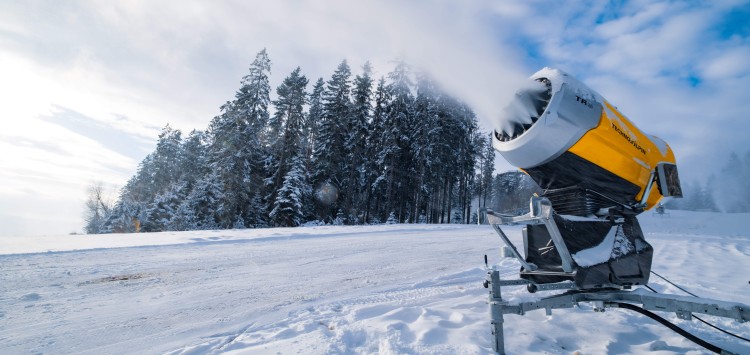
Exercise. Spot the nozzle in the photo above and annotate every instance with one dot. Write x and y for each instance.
(525, 109)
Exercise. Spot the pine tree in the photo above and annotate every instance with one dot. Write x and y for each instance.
(288, 205)
(449, 141)
(395, 156)
(193, 164)
(707, 201)
(511, 192)
(164, 173)
(184, 218)
(289, 106)
(328, 157)
(130, 209)
(161, 214)
(253, 98)
(238, 148)
(204, 203)
(422, 144)
(313, 121)
(374, 178)
(698, 197)
(156, 174)
(288, 145)
(391, 218)
(356, 145)
(166, 159)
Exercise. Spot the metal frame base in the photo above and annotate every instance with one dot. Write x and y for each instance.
(683, 306)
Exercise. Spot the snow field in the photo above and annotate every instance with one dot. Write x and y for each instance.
(395, 289)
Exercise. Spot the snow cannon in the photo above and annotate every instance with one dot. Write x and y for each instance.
(566, 136)
(597, 170)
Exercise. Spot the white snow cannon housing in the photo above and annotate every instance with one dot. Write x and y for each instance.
(597, 170)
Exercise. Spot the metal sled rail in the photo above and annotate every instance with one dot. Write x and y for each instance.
(683, 306)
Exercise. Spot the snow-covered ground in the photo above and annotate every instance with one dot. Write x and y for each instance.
(313, 290)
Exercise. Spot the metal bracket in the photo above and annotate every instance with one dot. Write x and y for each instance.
(540, 213)
(546, 210)
(647, 190)
(684, 315)
(527, 266)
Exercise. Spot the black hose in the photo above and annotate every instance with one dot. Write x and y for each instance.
(669, 325)
(721, 330)
(675, 285)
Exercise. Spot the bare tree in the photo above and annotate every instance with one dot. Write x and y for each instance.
(98, 208)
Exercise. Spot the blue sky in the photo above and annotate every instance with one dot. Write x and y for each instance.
(86, 85)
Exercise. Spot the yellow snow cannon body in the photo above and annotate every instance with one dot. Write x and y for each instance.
(570, 140)
(597, 171)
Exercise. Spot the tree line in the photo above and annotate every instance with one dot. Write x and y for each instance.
(349, 150)
(729, 191)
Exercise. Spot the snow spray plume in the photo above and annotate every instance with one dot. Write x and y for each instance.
(527, 106)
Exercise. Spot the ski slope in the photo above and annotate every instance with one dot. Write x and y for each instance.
(401, 289)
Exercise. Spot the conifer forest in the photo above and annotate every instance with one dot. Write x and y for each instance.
(352, 149)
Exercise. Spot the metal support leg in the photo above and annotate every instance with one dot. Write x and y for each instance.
(496, 312)
(516, 254)
(545, 207)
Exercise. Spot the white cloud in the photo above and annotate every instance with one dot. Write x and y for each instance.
(664, 65)
(733, 62)
(635, 20)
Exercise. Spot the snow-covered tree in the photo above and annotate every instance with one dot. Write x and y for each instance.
(394, 155)
(287, 146)
(288, 210)
(156, 174)
(404, 152)
(329, 159)
(128, 213)
(193, 162)
(356, 145)
(253, 98)
(166, 159)
(697, 197)
(238, 147)
(732, 186)
(374, 182)
(313, 120)
(422, 139)
(204, 204)
(161, 213)
(511, 191)
(98, 210)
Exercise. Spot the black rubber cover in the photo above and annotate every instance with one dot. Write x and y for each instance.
(624, 270)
